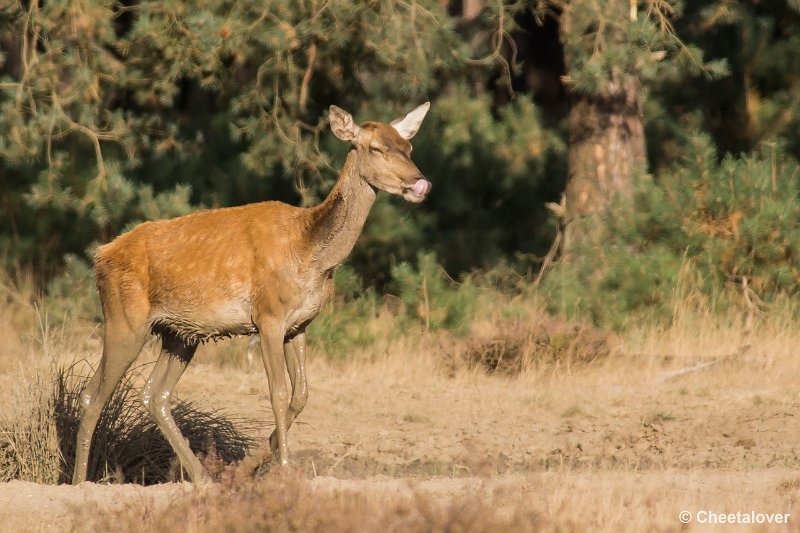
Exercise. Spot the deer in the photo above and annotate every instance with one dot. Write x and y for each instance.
(261, 269)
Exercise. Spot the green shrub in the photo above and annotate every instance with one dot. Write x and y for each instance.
(73, 293)
(341, 327)
(715, 228)
(430, 297)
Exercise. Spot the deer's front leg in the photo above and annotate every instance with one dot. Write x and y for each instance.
(294, 352)
(272, 353)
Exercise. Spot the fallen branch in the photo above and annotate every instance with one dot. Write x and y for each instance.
(672, 374)
(345, 456)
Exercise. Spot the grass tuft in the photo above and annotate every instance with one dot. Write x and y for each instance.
(28, 440)
(39, 445)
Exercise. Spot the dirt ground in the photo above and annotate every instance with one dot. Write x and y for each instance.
(624, 444)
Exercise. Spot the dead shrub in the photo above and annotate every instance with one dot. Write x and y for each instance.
(512, 346)
(127, 447)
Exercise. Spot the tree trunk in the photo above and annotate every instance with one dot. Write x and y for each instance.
(606, 150)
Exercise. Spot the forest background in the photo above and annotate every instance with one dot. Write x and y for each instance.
(606, 159)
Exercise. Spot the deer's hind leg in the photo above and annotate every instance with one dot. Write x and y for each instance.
(176, 355)
(124, 336)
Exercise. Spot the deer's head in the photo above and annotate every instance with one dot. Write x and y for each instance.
(384, 153)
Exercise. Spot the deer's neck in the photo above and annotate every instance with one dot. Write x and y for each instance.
(338, 221)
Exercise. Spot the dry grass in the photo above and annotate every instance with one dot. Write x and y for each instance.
(28, 439)
(128, 447)
(38, 443)
(286, 501)
(619, 502)
(611, 434)
(18, 319)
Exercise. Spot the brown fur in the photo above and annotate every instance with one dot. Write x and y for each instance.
(179, 272)
(260, 268)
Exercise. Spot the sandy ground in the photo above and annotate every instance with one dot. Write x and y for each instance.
(616, 446)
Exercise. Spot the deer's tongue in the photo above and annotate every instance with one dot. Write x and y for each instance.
(421, 187)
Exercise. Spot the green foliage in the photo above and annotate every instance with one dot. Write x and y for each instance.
(486, 168)
(606, 41)
(73, 293)
(344, 324)
(421, 298)
(759, 100)
(114, 114)
(703, 227)
(429, 296)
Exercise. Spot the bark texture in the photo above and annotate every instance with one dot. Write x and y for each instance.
(606, 148)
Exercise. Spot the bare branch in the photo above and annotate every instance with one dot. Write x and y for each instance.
(93, 136)
(499, 37)
(312, 56)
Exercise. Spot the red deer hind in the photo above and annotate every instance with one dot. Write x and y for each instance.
(262, 268)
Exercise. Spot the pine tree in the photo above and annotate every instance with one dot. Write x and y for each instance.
(759, 99)
(719, 232)
(612, 49)
(117, 112)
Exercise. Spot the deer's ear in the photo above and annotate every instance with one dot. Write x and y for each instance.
(408, 126)
(342, 124)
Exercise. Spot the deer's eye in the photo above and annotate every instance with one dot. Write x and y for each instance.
(375, 150)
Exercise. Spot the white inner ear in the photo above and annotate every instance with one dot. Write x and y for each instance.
(408, 126)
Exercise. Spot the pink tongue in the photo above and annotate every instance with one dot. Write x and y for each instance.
(420, 187)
